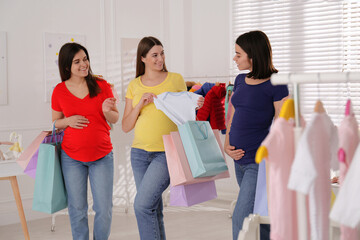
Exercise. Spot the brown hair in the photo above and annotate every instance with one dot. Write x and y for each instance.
(144, 47)
(257, 46)
(66, 56)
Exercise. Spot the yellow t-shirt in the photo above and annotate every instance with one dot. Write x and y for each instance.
(152, 123)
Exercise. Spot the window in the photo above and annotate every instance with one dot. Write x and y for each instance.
(309, 36)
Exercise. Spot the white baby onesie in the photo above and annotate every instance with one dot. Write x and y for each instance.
(178, 106)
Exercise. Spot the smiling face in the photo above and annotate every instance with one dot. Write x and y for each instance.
(80, 65)
(155, 58)
(241, 59)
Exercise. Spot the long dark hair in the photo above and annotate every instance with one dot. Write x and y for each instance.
(66, 56)
(257, 46)
(144, 47)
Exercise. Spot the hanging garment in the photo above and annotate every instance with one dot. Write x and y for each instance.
(282, 201)
(230, 110)
(261, 198)
(348, 141)
(310, 173)
(229, 90)
(346, 209)
(178, 106)
(213, 109)
(204, 89)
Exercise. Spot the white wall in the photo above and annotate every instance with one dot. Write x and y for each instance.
(195, 34)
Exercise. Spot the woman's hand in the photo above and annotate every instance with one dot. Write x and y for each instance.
(200, 102)
(234, 154)
(147, 98)
(77, 121)
(109, 104)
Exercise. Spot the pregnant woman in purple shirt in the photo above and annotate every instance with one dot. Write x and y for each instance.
(256, 103)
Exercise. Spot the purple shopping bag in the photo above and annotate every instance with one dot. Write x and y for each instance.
(30, 169)
(188, 195)
(29, 152)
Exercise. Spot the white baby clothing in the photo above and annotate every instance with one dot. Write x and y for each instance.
(178, 106)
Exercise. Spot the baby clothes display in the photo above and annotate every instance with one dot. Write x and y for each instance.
(316, 153)
(348, 141)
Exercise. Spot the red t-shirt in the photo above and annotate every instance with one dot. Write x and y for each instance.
(92, 142)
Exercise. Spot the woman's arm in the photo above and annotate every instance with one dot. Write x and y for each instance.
(278, 105)
(110, 110)
(131, 113)
(227, 142)
(235, 154)
(75, 121)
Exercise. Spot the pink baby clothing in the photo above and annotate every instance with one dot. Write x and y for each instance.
(348, 141)
(346, 209)
(310, 173)
(282, 201)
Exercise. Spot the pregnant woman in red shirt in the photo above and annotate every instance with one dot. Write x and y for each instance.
(83, 105)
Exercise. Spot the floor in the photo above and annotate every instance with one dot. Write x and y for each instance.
(210, 221)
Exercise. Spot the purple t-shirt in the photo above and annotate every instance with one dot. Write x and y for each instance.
(253, 116)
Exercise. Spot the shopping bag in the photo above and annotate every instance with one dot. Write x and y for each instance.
(202, 150)
(178, 165)
(30, 169)
(188, 195)
(32, 149)
(49, 193)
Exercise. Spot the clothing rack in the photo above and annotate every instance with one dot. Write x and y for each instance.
(227, 79)
(212, 77)
(300, 78)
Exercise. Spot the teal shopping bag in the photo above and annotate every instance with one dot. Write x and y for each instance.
(202, 150)
(49, 193)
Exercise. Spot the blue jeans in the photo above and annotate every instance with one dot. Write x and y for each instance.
(151, 179)
(101, 175)
(246, 176)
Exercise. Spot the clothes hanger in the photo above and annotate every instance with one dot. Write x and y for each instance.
(288, 109)
(348, 111)
(319, 107)
(261, 153)
(348, 108)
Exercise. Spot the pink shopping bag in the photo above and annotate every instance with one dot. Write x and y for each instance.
(188, 195)
(178, 165)
(32, 149)
(30, 169)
